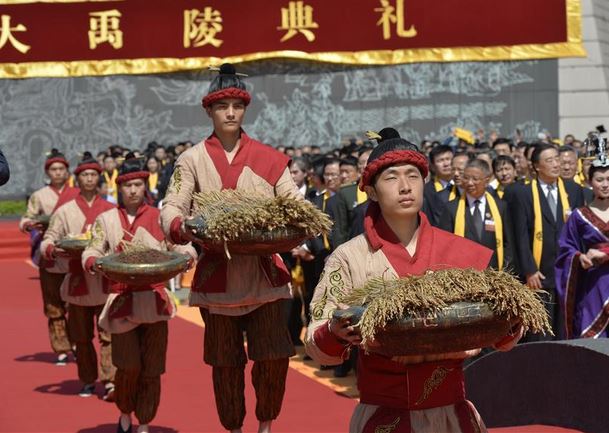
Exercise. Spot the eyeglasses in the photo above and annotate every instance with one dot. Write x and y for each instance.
(331, 175)
(472, 179)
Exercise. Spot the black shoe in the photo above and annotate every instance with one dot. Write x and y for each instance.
(119, 428)
(343, 369)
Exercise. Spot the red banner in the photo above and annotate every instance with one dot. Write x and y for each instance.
(72, 37)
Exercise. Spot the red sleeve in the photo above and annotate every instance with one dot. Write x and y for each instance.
(328, 342)
(90, 263)
(175, 231)
(49, 252)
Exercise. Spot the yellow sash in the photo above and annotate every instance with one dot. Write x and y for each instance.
(453, 190)
(492, 204)
(111, 182)
(538, 226)
(323, 208)
(361, 196)
(153, 180)
(500, 191)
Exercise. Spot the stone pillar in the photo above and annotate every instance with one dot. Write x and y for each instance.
(584, 82)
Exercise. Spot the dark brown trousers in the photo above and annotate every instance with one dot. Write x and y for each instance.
(139, 356)
(81, 322)
(268, 345)
(54, 310)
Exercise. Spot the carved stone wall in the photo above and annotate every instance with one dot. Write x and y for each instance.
(294, 103)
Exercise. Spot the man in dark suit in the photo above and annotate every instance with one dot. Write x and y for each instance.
(539, 211)
(477, 216)
(313, 253)
(346, 200)
(437, 191)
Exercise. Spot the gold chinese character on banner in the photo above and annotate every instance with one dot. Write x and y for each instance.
(201, 28)
(297, 17)
(6, 34)
(394, 15)
(104, 27)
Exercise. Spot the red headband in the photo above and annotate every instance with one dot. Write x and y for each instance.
(131, 176)
(87, 166)
(393, 158)
(231, 92)
(55, 159)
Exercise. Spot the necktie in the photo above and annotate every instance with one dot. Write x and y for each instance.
(551, 201)
(477, 219)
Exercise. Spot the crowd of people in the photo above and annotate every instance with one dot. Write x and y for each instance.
(538, 210)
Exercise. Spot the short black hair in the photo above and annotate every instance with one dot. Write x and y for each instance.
(439, 150)
(501, 160)
(541, 147)
(349, 160)
(567, 148)
(503, 141)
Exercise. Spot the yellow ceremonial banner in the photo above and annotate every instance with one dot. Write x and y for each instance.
(68, 38)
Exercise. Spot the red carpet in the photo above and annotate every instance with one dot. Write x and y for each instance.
(41, 397)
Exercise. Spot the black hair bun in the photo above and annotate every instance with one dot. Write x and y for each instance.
(86, 156)
(227, 69)
(388, 133)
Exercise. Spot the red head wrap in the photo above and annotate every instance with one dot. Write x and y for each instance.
(87, 166)
(51, 161)
(231, 92)
(394, 157)
(133, 175)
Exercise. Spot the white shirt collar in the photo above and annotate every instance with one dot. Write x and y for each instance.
(471, 201)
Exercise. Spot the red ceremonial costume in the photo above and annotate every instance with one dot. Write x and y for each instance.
(84, 293)
(245, 292)
(44, 202)
(135, 315)
(408, 394)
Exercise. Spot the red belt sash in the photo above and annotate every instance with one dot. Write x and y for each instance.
(399, 388)
(122, 305)
(77, 284)
(211, 273)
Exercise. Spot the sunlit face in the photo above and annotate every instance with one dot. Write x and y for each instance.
(58, 173)
(442, 165)
(298, 175)
(332, 177)
(600, 184)
(227, 115)
(348, 174)
(362, 160)
(133, 192)
(88, 180)
(548, 167)
(568, 165)
(160, 153)
(152, 165)
(398, 190)
(475, 181)
(109, 164)
(505, 173)
(458, 165)
(502, 149)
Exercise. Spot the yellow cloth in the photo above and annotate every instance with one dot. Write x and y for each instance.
(439, 187)
(153, 181)
(361, 196)
(492, 204)
(111, 182)
(538, 226)
(500, 191)
(465, 135)
(327, 196)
